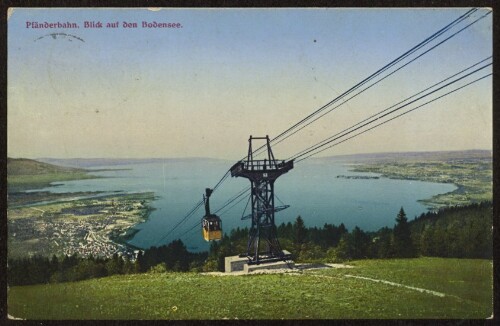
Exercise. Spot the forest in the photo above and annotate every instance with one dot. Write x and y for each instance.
(454, 232)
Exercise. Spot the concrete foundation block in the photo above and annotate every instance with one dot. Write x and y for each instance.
(234, 263)
(240, 264)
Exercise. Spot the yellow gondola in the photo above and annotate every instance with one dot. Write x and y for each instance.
(212, 228)
(211, 224)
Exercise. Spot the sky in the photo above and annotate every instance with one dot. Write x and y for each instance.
(201, 90)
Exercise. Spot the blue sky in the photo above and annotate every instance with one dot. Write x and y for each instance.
(201, 90)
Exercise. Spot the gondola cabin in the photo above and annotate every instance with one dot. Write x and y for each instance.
(211, 228)
(211, 225)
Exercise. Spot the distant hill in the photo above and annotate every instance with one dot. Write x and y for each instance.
(23, 166)
(96, 162)
(25, 174)
(354, 158)
(413, 156)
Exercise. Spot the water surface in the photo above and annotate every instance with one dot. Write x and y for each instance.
(312, 190)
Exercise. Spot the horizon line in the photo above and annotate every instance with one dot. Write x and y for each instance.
(228, 159)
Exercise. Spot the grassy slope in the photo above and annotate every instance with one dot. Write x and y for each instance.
(314, 294)
(23, 174)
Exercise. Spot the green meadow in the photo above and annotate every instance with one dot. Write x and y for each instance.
(388, 289)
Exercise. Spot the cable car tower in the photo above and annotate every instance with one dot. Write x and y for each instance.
(262, 175)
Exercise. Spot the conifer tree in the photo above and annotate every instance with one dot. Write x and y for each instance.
(402, 243)
(300, 231)
(360, 242)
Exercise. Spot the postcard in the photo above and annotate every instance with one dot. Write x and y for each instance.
(257, 163)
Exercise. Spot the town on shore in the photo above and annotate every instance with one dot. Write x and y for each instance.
(98, 227)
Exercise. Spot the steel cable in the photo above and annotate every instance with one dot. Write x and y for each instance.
(395, 117)
(387, 109)
(378, 72)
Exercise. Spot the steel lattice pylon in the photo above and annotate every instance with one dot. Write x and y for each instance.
(262, 175)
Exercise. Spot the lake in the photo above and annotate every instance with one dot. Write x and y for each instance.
(312, 190)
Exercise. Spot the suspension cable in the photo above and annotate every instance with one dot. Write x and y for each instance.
(235, 197)
(395, 117)
(378, 72)
(381, 79)
(197, 224)
(227, 210)
(387, 109)
(315, 147)
(188, 215)
(224, 177)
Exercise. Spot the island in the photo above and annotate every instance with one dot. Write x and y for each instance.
(358, 177)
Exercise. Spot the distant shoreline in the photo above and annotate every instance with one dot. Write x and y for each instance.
(346, 158)
(472, 178)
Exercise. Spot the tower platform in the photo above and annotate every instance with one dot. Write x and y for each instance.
(241, 264)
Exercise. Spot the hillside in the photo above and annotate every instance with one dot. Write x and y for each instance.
(398, 288)
(23, 166)
(97, 162)
(446, 156)
(24, 174)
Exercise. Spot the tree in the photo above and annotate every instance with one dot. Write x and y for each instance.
(332, 234)
(157, 269)
(382, 244)
(225, 249)
(177, 256)
(299, 231)
(360, 243)
(54, 264)
(69, 261)
(344, 250)
(139, 264)
(210, 266)
(114, 265)
(426, 241)
(128, 267)
(402, 242)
